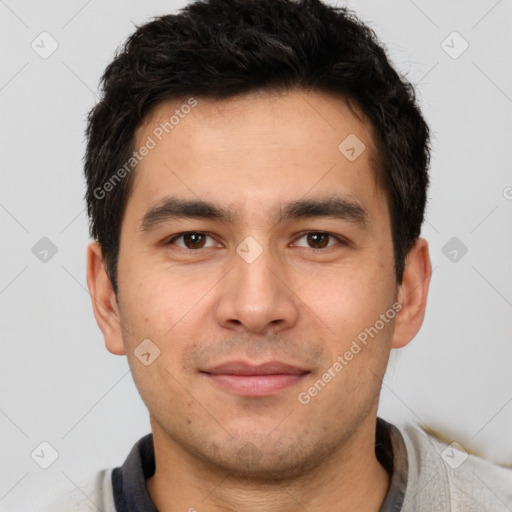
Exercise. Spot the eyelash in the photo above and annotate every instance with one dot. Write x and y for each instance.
(180, 235)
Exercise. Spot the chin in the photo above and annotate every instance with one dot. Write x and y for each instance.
(265, 462)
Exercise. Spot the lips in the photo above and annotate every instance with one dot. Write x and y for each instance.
(243, 368)
(245, 379)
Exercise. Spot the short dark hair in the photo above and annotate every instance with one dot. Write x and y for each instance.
(222, 48)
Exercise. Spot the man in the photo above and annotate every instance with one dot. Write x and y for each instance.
(257, 177)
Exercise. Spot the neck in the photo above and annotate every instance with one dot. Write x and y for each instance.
(352, 479)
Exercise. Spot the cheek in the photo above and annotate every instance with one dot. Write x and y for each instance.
(348, 299)
(159, 302)
(161, 388)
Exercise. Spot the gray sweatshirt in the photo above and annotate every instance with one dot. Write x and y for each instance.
(425, 475)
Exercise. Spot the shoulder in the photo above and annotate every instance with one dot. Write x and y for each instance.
(444, 476)
(95, 495)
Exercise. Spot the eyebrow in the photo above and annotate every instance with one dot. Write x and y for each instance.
(336, 207)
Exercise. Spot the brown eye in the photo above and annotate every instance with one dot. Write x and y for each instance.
(191, 240)
(318, 240)
(194, 240)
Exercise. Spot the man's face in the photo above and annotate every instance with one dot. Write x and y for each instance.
(263, 285)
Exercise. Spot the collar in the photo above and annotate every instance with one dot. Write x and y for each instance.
(131, 494)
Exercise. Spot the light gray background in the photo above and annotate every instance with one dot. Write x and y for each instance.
(59, 384)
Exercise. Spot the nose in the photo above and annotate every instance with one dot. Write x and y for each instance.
(257, 296)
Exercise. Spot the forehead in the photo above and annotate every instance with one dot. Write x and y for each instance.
(256, 114)
(255, 148)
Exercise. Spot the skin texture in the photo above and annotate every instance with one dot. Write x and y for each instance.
(302, 301)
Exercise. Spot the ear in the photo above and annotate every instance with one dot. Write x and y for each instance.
(412, 294)
(104, 303)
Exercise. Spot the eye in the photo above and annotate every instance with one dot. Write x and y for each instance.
(192, 240)
(319, 239)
